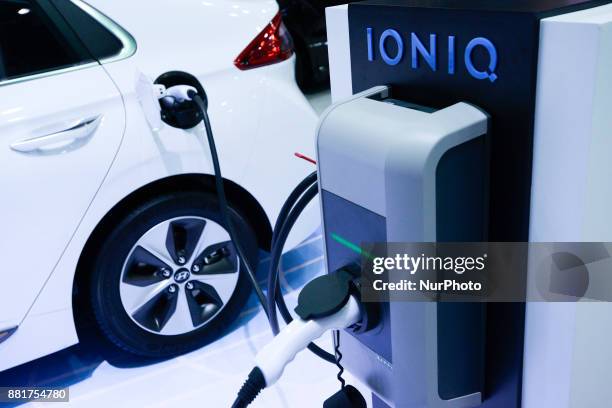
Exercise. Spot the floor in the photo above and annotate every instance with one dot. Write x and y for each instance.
(98, 376)
(208, 377)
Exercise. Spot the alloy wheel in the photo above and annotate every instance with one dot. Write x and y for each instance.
(179, 275)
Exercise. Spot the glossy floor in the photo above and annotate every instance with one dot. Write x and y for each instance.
(207, 378)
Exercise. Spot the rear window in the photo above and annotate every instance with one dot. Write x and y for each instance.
(98, 39)
(34, 39)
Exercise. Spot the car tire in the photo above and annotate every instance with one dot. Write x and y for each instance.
(144, 290)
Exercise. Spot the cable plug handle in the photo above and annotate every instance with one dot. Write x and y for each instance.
(275, 356)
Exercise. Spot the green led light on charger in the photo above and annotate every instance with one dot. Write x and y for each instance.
(350, 245)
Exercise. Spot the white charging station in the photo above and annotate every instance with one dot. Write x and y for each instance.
(394, 176)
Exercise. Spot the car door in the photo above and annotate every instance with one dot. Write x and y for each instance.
(61, 124)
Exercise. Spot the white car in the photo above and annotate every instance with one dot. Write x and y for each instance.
(106, 218)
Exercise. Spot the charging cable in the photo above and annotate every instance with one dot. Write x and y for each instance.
(197, 99)
(299, 198)
(328, 302)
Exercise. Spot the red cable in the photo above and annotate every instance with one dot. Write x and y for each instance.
(308, 159)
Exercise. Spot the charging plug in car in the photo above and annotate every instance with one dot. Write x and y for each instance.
(168, 100)
(178, 109)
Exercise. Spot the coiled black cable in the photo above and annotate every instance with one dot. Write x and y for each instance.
(339, 358)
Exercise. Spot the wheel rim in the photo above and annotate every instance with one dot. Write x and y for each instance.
(179, 275)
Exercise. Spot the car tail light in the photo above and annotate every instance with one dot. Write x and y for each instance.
(273, 44)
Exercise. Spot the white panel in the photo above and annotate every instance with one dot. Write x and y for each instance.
(338, 49)
(571, 197)
(592, 358)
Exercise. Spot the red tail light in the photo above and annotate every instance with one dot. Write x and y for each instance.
(272, 45)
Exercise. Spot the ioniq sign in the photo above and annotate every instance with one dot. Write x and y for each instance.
(378, 46)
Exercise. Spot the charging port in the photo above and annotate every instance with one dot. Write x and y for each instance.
(184, 115)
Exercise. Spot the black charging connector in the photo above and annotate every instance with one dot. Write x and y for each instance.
(181, 114)
(324, 295)
(327, 294)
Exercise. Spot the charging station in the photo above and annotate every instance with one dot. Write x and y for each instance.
(411, 172)
(525, 64)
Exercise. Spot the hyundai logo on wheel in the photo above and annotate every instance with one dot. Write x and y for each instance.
(181, 275)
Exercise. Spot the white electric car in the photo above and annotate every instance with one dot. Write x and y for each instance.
(106, 218)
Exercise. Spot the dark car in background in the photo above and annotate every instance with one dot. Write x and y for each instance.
(305, 20)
